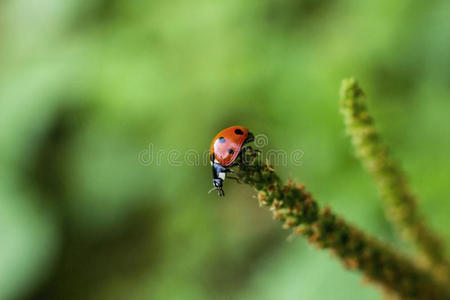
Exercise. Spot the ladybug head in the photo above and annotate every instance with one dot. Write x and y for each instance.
(218, 186)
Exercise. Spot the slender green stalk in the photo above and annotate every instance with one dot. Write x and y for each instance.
(380, 264)
(400, 202)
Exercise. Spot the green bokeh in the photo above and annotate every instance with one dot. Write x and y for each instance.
(87, 86)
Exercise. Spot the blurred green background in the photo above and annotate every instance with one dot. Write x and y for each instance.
(86, 86)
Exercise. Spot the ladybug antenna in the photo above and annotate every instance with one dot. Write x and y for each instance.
(221, 192)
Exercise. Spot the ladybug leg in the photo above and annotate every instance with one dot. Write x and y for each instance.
(228, 170)
(234, 178)
(247, 155)
(253, 152)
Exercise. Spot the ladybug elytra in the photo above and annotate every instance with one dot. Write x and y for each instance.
(225, 149)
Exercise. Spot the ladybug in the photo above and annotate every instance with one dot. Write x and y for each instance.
(225, 148)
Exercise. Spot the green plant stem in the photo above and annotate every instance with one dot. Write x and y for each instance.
(296, 208)
(399, 201)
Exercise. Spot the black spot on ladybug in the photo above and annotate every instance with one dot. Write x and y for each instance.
(239, 132)
(231, 151)
(222, 140)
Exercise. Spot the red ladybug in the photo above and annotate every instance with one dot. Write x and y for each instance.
(225, 149)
